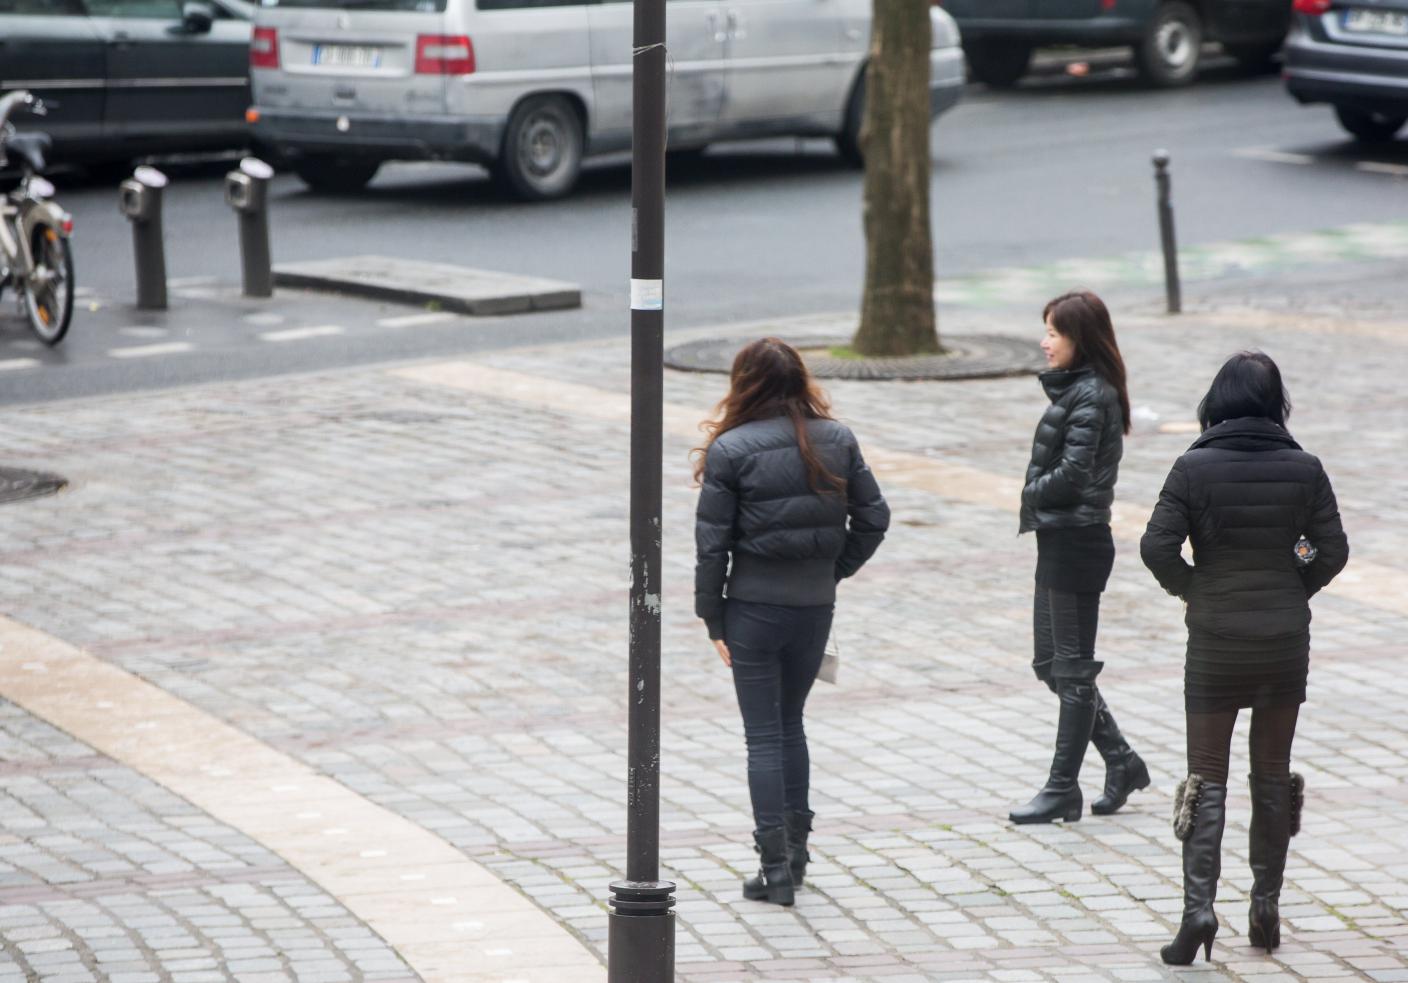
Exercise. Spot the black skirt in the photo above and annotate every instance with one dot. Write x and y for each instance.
(1077, 560)
(1223, 674)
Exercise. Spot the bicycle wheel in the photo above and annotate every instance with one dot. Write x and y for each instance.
(49, 289)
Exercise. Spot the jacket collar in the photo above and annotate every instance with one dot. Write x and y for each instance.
(1057, 381)
(1256, 429)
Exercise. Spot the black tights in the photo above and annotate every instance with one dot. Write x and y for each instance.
(1210, 742)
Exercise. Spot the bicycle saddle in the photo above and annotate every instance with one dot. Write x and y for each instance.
(30, 148)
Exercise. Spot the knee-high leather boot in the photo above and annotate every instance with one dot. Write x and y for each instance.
(1275, 819)
(1060, 798)
(1125, 771)
(1200, 809)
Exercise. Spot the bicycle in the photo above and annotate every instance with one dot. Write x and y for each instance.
(35, 259)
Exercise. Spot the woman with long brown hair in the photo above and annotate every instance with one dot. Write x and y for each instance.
(1070, 485)
(787, 509)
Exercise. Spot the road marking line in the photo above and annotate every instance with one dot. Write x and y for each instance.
(415, 320)
(143, 331)
(1273, 156)
(427, 933)
(298, 334)
(1365, 582)
(1380, 167)
(144, 351)
(266, 319)
(192, 281)
(10, 364)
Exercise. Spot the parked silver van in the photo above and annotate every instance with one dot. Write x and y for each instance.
(530, 87)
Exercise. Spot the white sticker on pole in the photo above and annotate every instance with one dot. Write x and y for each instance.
(647, 295)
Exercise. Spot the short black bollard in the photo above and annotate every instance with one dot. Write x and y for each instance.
(139, 198)
(1170, 244)
(247, 192)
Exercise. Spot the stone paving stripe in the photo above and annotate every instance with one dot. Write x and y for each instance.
(1390, 331)
(461, 924)
(146, 351)
(415, 320)
(298, 334)
(455, 288)
(1364, 581)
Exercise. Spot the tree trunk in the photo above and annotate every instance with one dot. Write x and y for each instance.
(897, 312)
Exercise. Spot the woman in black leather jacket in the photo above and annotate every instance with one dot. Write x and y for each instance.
(787, 510)
(1070, 485)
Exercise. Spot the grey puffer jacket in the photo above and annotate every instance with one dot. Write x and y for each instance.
(788, 544)
(1075, 454)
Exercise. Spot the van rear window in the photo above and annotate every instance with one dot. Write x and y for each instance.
(418, 6)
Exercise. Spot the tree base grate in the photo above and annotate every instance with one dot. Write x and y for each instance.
(964, 357)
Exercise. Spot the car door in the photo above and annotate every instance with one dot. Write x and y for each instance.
(695, 71)
(169, 86)
(51, 48)
(785, 63)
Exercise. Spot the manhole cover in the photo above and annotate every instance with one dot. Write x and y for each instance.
(967, 357)
(16, 484)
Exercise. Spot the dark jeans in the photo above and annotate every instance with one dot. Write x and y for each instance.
(776, 652)
(1210, 742)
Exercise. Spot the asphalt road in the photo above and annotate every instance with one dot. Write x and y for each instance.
(1058, 169)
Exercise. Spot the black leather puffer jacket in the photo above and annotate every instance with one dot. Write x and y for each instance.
(1243, 494)
(1075, 454)
(789, 545)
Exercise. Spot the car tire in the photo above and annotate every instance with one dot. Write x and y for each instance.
(1255, 57)
(335, 175)
(1172, 46)
(1369, 127)
(848, 140)
(542, 151)
(997, 64)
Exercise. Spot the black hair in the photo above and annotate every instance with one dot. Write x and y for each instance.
(1083, 317)
(1248, 384)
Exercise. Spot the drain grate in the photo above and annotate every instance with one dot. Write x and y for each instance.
(17, 484)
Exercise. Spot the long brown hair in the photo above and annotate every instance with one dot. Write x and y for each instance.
(769, 379)
(1083, 317)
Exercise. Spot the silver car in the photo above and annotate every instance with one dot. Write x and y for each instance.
(531, 87)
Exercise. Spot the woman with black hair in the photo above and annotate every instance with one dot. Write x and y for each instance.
(787, 510)
(1066, 500)
(1266, 536)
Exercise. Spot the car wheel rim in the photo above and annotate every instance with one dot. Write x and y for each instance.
(543, 148)
(1175, 44)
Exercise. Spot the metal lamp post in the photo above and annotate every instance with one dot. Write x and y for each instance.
(641, 937)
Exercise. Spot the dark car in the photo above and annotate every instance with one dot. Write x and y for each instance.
(1166, 35)
(126, 78)
(1353, 56)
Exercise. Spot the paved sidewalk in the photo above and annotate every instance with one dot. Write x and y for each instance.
(411, 580)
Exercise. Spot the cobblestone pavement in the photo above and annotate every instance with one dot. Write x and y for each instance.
(412, 579)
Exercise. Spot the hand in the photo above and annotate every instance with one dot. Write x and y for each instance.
(723, 652)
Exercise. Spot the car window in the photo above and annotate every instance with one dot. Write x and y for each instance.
(149, 9)
(42, 8)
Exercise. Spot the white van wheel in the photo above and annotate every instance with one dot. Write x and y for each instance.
(542, 155)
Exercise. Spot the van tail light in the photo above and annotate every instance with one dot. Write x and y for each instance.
(264, 48)
(1312, 7)
(444, 54)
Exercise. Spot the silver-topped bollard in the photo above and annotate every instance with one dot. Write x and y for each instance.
(139, 198)
(1170, 244)
(247, 192)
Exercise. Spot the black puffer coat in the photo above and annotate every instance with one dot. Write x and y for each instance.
(1075, 454)
(789, 545)
(1243, 495)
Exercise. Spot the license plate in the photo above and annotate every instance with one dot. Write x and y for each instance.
(1362, 21)
(347, 55)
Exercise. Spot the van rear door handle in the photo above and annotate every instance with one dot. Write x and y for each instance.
(712, 19)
